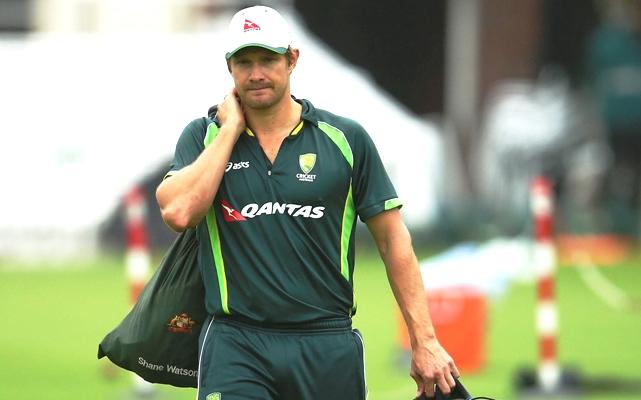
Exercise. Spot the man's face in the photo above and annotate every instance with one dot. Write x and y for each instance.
(261, 77)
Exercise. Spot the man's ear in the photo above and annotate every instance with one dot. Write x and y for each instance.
(293, 59)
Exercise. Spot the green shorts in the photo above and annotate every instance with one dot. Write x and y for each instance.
(242, 360)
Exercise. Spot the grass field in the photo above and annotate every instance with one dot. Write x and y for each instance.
(54, 319)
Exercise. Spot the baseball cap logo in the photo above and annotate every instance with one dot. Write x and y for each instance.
(229, 213)
(250, 26)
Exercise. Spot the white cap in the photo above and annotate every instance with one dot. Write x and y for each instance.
(257, 26)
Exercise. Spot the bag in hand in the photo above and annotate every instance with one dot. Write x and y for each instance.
(158, 339)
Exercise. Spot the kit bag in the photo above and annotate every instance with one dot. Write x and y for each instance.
(158, 339)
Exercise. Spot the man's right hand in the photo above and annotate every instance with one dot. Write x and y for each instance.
(230, 112)
(185, 198)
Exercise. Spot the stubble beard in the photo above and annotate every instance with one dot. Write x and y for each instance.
(264, 102)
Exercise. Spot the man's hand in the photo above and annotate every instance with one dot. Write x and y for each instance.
(230, 112)
(185, 198)
(431, 365)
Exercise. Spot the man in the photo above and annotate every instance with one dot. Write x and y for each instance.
(273, 187)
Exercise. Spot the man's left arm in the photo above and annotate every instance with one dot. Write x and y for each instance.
(431, 365)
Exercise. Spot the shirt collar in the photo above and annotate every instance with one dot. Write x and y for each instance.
(294, 131)
(309, 112)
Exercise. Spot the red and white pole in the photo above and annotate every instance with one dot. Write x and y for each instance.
(542, 206)
(138, 259)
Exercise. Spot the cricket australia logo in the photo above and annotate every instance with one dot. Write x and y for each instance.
(306, 163)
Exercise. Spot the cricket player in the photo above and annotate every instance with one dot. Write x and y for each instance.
(273, 186)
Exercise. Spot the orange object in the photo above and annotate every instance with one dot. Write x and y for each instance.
(600, 249)
(459, 316)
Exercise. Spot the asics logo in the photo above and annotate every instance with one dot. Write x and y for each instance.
(233, 166)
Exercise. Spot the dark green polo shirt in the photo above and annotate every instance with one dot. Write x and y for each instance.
(277, 245)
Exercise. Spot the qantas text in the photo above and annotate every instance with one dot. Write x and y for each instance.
(295, 210)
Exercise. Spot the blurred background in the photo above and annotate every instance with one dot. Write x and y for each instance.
(469, 103)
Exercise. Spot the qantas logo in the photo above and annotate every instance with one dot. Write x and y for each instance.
(250, 26)
(253, 210)
(229, 213)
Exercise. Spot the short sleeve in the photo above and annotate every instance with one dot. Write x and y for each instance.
(189, 146)
(373, 190)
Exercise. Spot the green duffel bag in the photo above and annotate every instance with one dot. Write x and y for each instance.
(158, 339)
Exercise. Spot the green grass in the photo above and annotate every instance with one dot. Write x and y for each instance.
(54, 319)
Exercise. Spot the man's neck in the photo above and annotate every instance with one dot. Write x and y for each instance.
(274, 121)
